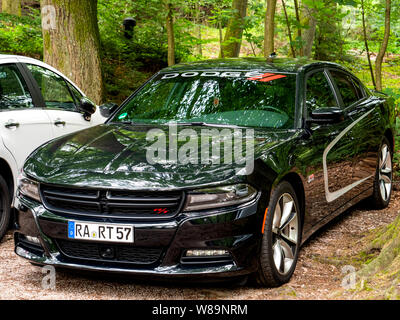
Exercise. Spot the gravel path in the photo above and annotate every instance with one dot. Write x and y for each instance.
(318, 274)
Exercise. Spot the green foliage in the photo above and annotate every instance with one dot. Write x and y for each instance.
(254, 25)
(21, 35)
(128, 62)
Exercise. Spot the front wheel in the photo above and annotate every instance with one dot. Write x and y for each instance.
(281, 239)
(4, 207)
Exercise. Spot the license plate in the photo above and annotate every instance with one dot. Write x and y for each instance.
(100, 232)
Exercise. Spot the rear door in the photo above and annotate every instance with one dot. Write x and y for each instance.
(23, 124)
(60, 100)
(366, 131)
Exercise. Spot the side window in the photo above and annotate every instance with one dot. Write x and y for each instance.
(319, 93)
(14, 93)
(346, 87)
(358, 87)
(54, 89)
(76, 94)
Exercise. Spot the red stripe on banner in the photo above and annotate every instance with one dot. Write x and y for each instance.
(272, 78)
(267, 77)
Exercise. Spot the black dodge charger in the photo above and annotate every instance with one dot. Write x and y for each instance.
(214, 169)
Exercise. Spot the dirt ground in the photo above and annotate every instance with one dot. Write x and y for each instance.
(318, 274)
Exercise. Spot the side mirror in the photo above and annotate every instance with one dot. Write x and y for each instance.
(86, 107)
(107, 109)
(327, 115)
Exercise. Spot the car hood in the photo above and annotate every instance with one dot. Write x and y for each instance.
(114, 156)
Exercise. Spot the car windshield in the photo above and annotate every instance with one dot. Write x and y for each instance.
(249, 99)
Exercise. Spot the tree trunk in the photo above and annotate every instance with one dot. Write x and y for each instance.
(234, 31)
(11, 7)
(269, 31)
(297, 12)
(289, 31)
(71, 43)
(198, 27)
(366, 43)
(170, 35)
(382, 50)
(221, 47)
(309, 34)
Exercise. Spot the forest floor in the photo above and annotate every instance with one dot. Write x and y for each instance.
(318, 274)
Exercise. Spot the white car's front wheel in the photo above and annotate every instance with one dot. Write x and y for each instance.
(4, 207)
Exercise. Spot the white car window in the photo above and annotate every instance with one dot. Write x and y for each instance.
(54, 89)
(14, 93)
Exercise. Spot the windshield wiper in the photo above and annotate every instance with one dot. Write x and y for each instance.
(128, 122)
(205, 124)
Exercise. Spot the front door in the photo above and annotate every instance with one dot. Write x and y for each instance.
(60, 99)
(331, 152)
(23, 126)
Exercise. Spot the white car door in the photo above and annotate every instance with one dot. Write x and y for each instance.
(23, 126)
(61, 99)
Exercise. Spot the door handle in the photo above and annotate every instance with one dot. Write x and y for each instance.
(11, 124)
(59, 122)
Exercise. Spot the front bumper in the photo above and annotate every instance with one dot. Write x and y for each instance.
(237, 230)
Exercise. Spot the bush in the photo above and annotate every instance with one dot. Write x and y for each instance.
(21, 35)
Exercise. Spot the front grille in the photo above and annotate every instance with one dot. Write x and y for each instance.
(112, 203)
(109, 252)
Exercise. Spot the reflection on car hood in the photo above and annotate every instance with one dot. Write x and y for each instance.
(114, 156)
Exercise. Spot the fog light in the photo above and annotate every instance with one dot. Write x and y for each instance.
(206, 253)
(32, 239)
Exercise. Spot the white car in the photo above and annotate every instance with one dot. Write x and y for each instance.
(37, 104)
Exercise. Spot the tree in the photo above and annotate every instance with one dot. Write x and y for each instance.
(299, 38)
(269, 32)
(366, 43)
(328, 41)
(11, 7)
(310, 21)
(382, 49)
(288, 29)
(170, 33)
(234, 31)
(198, 28)
(71, 42)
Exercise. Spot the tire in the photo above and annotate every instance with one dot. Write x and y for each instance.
(382, 189)
(278, 256)
(5, 207)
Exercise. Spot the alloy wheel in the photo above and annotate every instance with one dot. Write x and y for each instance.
(385, 172)
(285, 226)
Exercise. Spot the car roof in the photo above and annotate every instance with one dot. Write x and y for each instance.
(252, 64)
(6, 58)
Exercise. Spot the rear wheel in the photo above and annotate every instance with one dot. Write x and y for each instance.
(383, 177)
(281, 239)
(5, 209)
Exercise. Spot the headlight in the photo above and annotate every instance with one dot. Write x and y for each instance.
(28, 187)
(219, 197)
